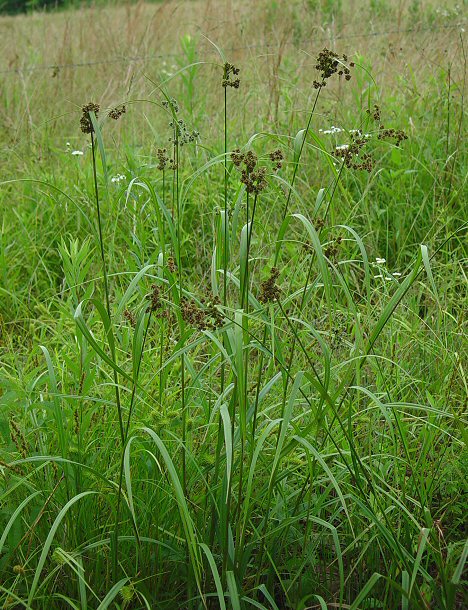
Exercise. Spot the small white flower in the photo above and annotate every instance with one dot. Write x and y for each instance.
(380, 261)
(118, 178)
(342, 147)
(396, 274)
(379, 275)
(333, 129)
(77, 153)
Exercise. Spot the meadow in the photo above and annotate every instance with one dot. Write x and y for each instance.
(233, 296)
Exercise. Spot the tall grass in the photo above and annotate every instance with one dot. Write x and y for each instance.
(245, 396)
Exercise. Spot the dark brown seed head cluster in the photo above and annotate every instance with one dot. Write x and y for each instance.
(375, 113)
(270, 292)
(182, 135)
(206, 318)
(171, 264)
(155, 299)
(254, 179)
(117, 112)
(171, 105)
(397, 135)
(130, 317)
(330, 63)
(230, 71)
(351, 154)
(277, 158)
(85, 121)
(164, 161)
(237, 157)
(331, 250)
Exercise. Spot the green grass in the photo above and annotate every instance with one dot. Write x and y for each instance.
(172, 438)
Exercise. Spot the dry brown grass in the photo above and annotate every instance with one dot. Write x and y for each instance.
(270, 41)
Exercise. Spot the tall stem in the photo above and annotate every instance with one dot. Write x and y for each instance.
(106, 283)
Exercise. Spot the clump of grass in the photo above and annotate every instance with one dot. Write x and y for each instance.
(249, 431)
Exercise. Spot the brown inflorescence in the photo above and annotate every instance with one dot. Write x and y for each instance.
(254, 179)
(351, 154)
(330, 63)
(277, 158)
(270, 292)
(155, 299)
(130, 317)
(348, 154)
(207, 317)
(171, 264)
(230, 70)
(331, 250)
(163, 159)
(85, 121)
(117, 112)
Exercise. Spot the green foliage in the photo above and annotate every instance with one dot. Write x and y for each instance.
(214, 395)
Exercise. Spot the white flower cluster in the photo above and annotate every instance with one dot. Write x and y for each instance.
(379, 262)
(333, 129)
(75, 153)
(118, 178)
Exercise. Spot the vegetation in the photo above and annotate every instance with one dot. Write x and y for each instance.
(232, 315)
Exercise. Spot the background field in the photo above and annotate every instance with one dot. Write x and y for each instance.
(306, 453)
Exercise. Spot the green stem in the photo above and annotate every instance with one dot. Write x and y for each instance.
(106, 284)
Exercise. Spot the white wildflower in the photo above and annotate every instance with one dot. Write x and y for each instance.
(77, 153)
(333, 129)
(380, 261)
(118, 178)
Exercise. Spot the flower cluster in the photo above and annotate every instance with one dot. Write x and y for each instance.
(349, 152)
(85, 121)
(330, 63)
(155, 299)
(229, 70)
(182, 134)
(171, 264)
(386, 134)
(164, 160)
(254, 179)
(130, 317)
(207, 317)
(270, 292)
(277, 158)
(351, 155)
(331, 249)
(118, 178)
(171, 105)
(117, 112)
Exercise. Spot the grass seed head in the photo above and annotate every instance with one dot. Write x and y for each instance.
(117, 112)
(85, 121)
(269, 291)
(229, 71)
(330, 63)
